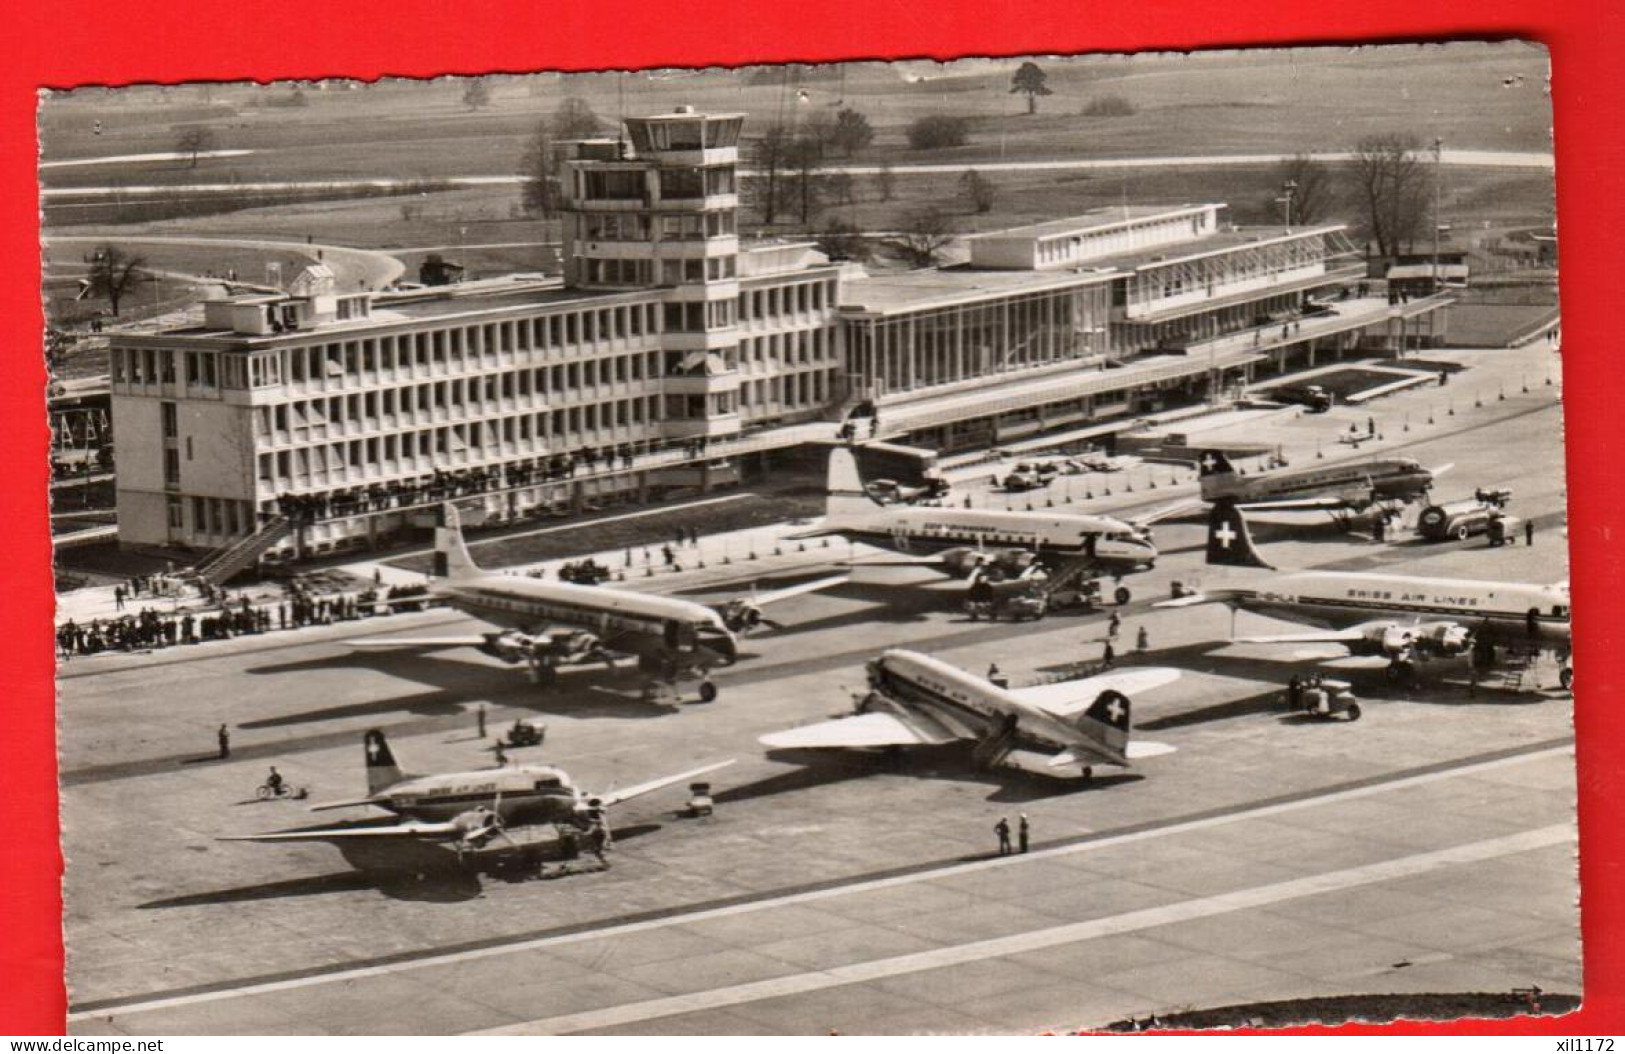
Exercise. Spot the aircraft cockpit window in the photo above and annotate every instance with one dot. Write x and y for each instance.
(1560, 610)
(548, 783)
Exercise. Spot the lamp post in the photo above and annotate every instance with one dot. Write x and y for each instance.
(1288, 192)
(1438, 165)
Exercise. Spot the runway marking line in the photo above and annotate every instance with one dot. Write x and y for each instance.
(413, 961)
(1034, 940)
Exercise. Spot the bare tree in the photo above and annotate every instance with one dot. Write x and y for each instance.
(1029, 81)
(1391, 189)
(770, 156)
(805, 160)
(852, 132)
(978, 190)
(841, 240)
(192, 140)
(922, 236)
(839, 188)
(575, 119)
(112, 271)
(476, 94)
(541, 191)
(1308, 182)
(886, 181)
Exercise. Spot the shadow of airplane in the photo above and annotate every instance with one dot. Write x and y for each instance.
(951, 761)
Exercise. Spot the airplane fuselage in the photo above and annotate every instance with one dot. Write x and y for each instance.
(1110, 543)
(626, 621)
(1357, 483)
(962, 705)
(1505, 612)
(521, 795)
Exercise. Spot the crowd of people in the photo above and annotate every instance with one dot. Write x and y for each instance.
(148, 628)
(467, 482)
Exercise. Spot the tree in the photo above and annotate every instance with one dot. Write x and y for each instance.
(1308, 182)
(112, 271)
(819, 127)
(769, 156)
(922, 236)
(938, 132)
(852, 132)
(1390, 189)
(839, 188)
(977, 190)
(1029, 81)
(574, 119)
(476, 94)
(886, 181)
(540, 193)
(193, 139)
(805, 160)
(841, 240)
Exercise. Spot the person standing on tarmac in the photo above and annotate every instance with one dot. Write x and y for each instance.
(1002, 829)
(1021, 833)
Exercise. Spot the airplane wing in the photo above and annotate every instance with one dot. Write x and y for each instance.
(896, 561)
(616, 797)
(1065, 698)
(346, 804)
(1189, 600)
(1288, 504)
(872, 729)
(774, 596)
(422, 643)
(409, 829)
(1165, 511)
(1339, 636)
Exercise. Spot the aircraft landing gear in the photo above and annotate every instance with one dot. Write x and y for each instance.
(1402, 672)
(1565, 677)
(1088, 773)
(708, 691)
(1122, 596)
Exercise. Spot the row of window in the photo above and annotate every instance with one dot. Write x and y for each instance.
(640, 226)
(659, 272)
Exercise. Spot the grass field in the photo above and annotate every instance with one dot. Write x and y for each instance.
(1485, 96)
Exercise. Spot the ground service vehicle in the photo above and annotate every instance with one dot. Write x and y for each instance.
(1462, 519)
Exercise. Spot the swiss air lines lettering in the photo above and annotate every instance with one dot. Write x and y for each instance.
(1404, 597)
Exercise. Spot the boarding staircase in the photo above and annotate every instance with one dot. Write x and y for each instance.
(220, 565)
(1517, 667)
(993, 748)
(1076, 576)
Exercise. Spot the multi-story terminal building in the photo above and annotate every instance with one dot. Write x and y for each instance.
(295, 422)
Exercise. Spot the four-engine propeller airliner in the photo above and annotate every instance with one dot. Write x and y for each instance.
(671, 638)
(964, 541)
(1404, 618)
(1063, 729)
(467, 810)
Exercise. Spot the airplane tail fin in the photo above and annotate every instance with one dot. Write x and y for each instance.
(382, 772)
(1229, 543)
(845, 492)
(1107, 721)
(451, 559)
(1214, 463)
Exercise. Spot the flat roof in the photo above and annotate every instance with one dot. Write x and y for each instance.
(914, 290)
(1209, 245)
(1094, 219)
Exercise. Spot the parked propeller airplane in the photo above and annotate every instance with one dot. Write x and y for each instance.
(672, 638)
(467, 810)
(1061, 730)
(962, 542)
(1403, 618)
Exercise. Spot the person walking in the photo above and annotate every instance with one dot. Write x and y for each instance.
(479, 716)
(1142, 640)
(1114, 624)
(118, 598)
(1529, 532)
(224, 739)
(1108, 655)
(501, 755)
(1021, 833)
(1002, 829)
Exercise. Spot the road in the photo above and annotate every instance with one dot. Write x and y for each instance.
(1427, 848)
(352, 268)
(1504, 159)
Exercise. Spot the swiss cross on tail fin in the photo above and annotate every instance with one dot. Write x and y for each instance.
(1229, 543)
(1106, 722)
(1214, 463)
(382, 771)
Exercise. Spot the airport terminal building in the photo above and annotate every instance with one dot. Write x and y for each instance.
(296, 422)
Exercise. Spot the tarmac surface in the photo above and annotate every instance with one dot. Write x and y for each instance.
(1429, 847)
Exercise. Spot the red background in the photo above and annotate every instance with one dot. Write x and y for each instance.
(63, 43)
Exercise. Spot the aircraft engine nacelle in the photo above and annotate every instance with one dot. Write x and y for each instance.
(1036, 764)
(1444, 638)
(575, 647)
(1396, 640)
(742, 616)
(510, 647)
(997, 563)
